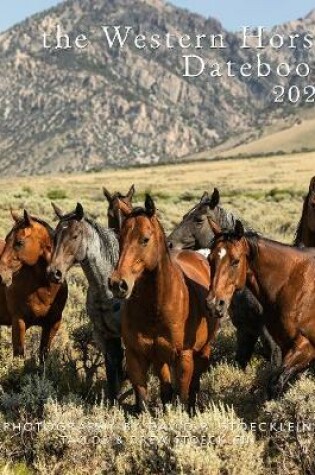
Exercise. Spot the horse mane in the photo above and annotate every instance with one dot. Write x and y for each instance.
(227, 221)
(298, 233)
(108, 239)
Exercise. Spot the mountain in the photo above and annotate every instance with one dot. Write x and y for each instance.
(81, 110)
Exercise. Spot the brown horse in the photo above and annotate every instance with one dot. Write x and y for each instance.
(165, 321)
(119, 207)
(305, 234)
(26, 296)
(194, 232)
(282, 278)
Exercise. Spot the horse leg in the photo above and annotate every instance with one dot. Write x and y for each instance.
(246, 342)
(296, 359)
(162, 370)
(184, 374)
(114, 356)
(201, 364)
(271, 347)
(245, 313)
(137, 369)
(18, 336)
(49, 332)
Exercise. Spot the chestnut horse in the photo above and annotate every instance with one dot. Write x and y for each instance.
(27, 298)
(165, 321)
(305, 234)
(119, 206)
(282, 278)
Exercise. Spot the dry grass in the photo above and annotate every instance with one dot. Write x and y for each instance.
(250, 186)
(296, 138)
(286, 135)
(267, 193)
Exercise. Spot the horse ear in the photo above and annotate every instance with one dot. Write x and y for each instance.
(205, 197)
(215, 199)
(79, 212)
(216, 228)
(15, 215)
(57, 210)
(239, 229)
(27, 218)
(107, 194)
(312, 184)
(131, 192)
(149, 206)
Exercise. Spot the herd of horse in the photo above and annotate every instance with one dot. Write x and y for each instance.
(156, 301)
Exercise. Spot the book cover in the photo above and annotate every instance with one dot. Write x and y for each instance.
(157, 221)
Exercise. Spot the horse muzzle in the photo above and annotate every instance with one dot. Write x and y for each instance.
(6, 278)
(218, 307)
(55, 275)
(121, 288)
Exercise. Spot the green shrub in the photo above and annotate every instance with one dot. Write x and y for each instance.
(15, 469)
(33, 392)
(56, 194)
(103, 440)
(290, 426)
(28, 190)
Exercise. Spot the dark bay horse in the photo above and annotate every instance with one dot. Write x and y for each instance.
(27, 298)
(194, 232)
(282, 278)
(165, 321)
(79, 239)
(305, 234)
(119, 206)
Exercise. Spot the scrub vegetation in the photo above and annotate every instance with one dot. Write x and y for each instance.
(55, 419)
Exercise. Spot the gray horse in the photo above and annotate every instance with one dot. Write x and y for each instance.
(194, 232)
(81, 240)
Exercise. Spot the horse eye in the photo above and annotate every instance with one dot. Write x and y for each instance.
(235, 262)
(144, 241)
(199, 221)
(75, 237)
(19, 243)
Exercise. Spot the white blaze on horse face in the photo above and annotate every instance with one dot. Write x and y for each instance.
(222, 253)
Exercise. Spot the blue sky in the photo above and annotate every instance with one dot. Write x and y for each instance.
(232, 13)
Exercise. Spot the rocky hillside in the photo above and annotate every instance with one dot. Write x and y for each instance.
(80, 110)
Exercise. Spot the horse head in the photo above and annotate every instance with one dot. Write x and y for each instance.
(70, 243)
(194, 232)
(228, 262)
(119, 206)
(139, 248)
(29, 240)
